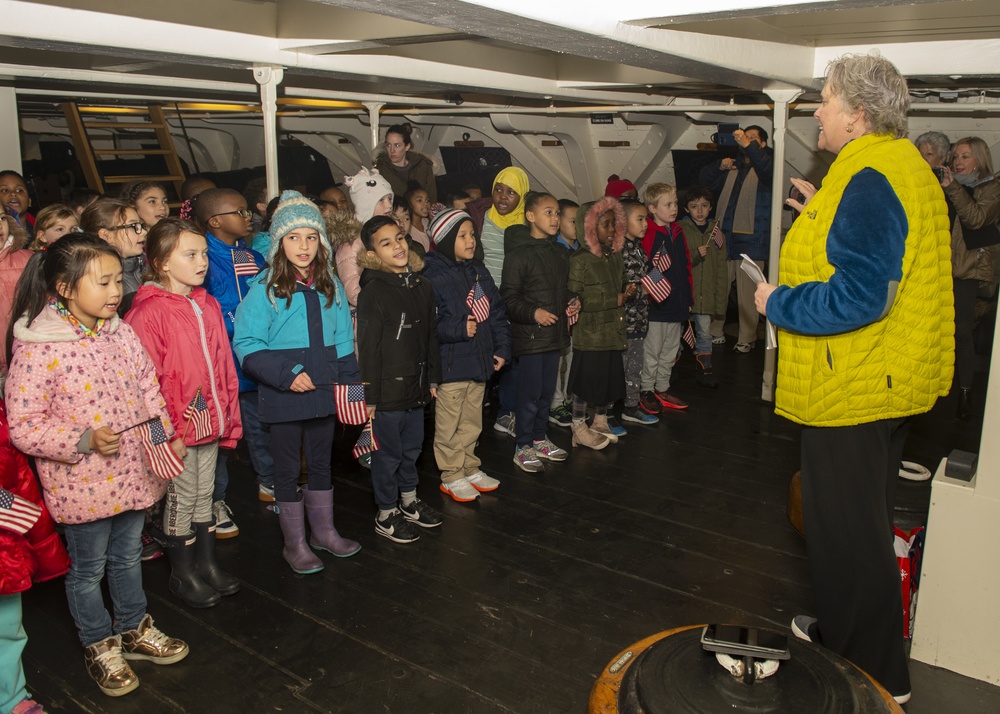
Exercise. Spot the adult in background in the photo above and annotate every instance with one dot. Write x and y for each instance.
(865, 311)
(934, 147)
(744, 188)
(401, 166)
(974, 209)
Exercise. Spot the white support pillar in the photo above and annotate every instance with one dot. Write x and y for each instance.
(269, 78)
(10, 134)
(373, 119)
(782, 96)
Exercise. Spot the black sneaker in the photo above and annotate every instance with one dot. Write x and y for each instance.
(396, 528)
(650, 404)
(421, 514)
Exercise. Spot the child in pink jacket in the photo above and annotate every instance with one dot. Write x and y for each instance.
(181, 327)
(79, 382)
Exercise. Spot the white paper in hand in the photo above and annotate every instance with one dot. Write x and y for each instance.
(753, 270)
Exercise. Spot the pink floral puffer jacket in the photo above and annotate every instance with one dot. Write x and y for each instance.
(62, 384)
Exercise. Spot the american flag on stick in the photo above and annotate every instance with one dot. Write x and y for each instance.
(366, 442)
(350, 402)
(571, 319)
(717, 236)
(17, 514)
(478, 303)
(661, 261)
(688, 335)
(162, 459)
(243, 263)
(656, 285)
(197, 413)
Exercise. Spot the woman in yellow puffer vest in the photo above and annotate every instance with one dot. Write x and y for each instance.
(866, 322)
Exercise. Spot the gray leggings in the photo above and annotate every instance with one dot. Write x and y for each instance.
(189, 496)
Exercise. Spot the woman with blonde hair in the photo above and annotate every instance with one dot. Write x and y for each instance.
(973, 195)
(864, 311)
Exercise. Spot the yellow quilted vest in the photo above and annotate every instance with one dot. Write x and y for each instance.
(900, 364)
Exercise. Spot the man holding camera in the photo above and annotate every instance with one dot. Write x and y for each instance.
(744, 188)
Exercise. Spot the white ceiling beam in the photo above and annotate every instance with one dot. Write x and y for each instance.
(47, 27)
(560, 26)
(649, 13)
(914, 59)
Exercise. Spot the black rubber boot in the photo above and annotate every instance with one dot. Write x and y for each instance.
(185, 582)
(208, 568)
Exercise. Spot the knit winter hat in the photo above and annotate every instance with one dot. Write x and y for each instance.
(444, 229)
(617, 186)
(367, 187)
(295, 211)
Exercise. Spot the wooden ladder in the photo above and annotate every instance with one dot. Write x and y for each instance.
(88, 155)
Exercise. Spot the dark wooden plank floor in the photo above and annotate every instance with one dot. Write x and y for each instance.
(517, 602)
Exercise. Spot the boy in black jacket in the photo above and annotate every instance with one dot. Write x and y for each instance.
(400, 364)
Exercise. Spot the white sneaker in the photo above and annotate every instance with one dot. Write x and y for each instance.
(461, 490)
(483, 483)
(224, 525)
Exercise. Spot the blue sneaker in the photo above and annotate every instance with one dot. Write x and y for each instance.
(616, 428)
(638, 416)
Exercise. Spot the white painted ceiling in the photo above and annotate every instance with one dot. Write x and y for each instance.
(491, 52)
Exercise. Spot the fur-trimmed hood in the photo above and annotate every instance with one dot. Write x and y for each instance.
(342, 228)
(373, 262)
(586, 225)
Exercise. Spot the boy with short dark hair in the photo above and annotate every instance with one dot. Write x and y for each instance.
(709, 275)
(559, 411)
(669, 267)
(636, 311)
(223, 214)
(401, 366)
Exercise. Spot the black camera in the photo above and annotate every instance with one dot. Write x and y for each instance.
(939, 172)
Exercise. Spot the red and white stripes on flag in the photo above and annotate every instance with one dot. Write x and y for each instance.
(571, 319)
(350, 402)
(366, 442)
(656, 285)
(717, 237)
(688, 335)
(661, 261)
(243, 263)
(478, 303)
(17, 514)
(162, 459)
(197, 413)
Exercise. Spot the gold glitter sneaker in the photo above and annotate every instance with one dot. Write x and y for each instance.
(108, 668)
(148, 643)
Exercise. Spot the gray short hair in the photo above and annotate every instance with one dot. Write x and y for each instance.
(873, 84)
(937, 141)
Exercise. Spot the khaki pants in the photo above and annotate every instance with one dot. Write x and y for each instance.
(458, 422)
(745, 289)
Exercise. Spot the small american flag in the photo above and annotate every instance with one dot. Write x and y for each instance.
(656, 285)
(350, 401)
(197, 414)
(243, 263)
(477, 301)
(571, 319)
(162, 459)
(717, 237)
(688, 335)
(366, 442)
(17, 514)
(661, 261)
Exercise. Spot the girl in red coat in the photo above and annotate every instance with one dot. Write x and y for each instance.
(181, 327)
(29, 550)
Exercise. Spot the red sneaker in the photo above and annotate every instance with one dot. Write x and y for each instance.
(669, 401)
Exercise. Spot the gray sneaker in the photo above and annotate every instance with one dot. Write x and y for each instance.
(527, 460)
(505, 424)
(550, 452)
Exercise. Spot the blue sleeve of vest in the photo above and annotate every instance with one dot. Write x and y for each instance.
(865, 246)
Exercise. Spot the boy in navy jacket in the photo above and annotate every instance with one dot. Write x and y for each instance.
(400, 364)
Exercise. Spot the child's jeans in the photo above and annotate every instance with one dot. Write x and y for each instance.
(400, 437)
(702, 333)
(536, 380)
(12, 642)
(258, 438)
(113, 545)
